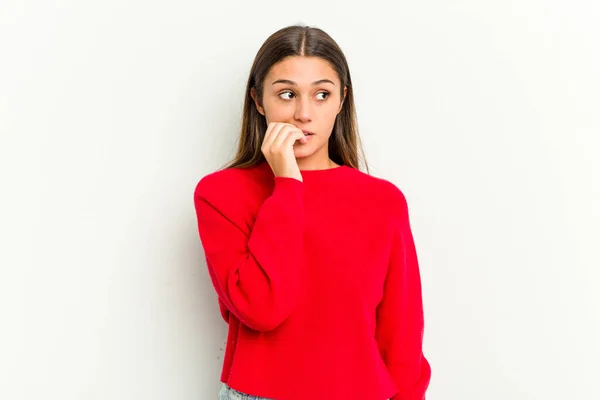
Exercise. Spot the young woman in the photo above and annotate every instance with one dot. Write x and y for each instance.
(313, 260)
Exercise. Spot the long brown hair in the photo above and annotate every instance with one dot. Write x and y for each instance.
(299, 40)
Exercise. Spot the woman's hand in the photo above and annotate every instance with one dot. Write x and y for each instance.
(278, 149)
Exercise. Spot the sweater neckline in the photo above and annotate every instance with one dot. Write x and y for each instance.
(313, 174)
(321, 171)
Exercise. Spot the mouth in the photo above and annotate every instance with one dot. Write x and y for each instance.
(307, 133)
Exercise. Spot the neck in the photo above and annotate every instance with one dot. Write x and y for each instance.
(310, 165)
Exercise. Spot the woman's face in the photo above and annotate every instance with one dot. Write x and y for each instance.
(305, 92)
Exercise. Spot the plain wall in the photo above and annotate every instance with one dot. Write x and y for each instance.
(484, 113)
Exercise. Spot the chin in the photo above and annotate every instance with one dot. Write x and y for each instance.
(302, 154)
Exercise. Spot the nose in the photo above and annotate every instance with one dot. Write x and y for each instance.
(303, 110)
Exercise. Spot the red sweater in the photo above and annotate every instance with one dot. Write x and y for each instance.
(319, 282)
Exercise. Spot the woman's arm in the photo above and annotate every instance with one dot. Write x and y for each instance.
(400, 321)
(224, 310)
(256, 273)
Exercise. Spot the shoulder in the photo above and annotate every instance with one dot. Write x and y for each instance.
(218, 181)
(228, 183)
(384, 190)
(383, 196)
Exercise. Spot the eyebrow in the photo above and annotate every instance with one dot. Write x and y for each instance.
(287, 81)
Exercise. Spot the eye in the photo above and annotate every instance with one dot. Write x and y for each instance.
(325, 93)
(286, 92)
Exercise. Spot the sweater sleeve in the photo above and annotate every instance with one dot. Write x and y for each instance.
(400, 320)
(255, 271)
(224, 310)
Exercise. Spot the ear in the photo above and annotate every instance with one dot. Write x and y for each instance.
(342, 102)
(255, 98)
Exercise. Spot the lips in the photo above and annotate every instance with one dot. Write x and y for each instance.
(307, 133)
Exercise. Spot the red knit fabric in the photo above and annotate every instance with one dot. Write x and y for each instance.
(319, 283)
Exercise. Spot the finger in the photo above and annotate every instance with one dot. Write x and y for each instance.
(292, 137)
(277, 126)
(267, 139)
(283, 134)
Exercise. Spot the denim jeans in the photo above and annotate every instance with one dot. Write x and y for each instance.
(228, 393)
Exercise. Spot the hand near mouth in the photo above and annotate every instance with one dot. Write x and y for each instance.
(278, 148)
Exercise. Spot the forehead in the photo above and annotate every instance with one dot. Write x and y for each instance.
(303, 70)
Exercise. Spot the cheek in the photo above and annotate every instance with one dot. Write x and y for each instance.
(280, 111)
(330, 110)
(276, 110)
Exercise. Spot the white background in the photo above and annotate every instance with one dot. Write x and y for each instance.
(485, 113)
